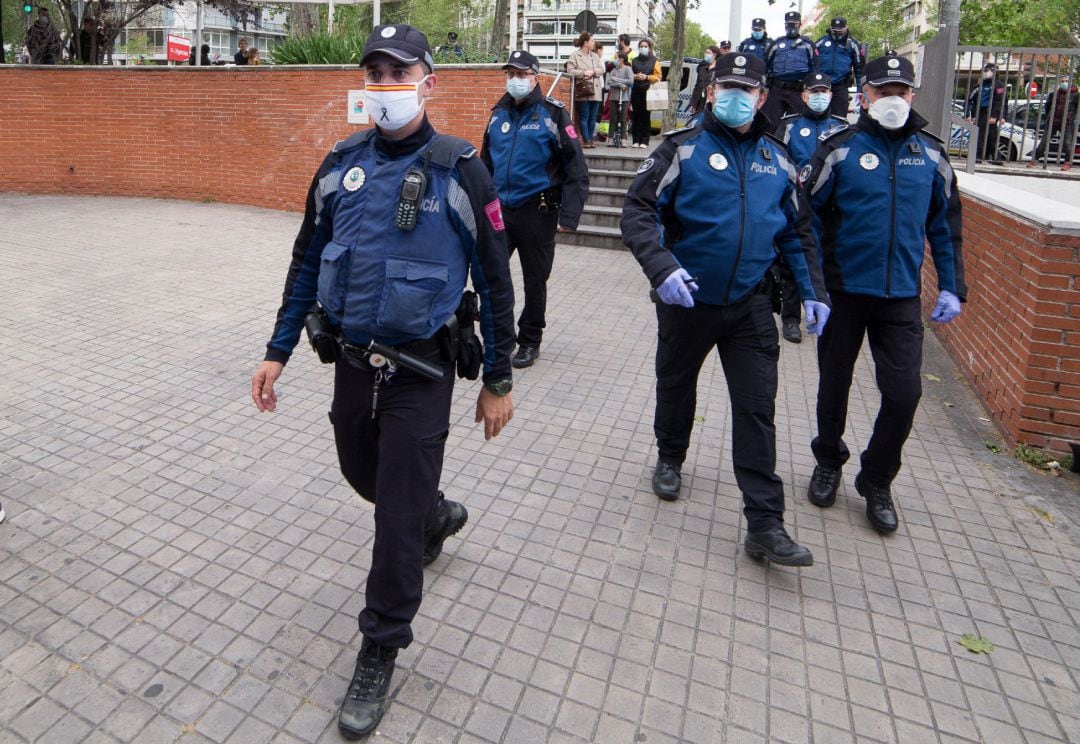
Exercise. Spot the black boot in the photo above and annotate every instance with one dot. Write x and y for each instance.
(778, 547)
(447, 519)
(879, 506)
(366, 699)
(824, 484)
(667, 480)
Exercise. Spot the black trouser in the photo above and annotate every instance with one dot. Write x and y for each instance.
(988, 137)
(791, 307)
(782, 100)
(840, 100)
(895, 331)
(1066, 147)
(532, 233)
(640, 123)
(394, 460)
(744, 334)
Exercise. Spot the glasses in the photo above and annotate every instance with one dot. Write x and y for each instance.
(520, 74)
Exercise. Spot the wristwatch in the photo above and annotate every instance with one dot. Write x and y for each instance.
(500, 387)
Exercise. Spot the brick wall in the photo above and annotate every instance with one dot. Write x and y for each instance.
(1018, 339)
(248, 135)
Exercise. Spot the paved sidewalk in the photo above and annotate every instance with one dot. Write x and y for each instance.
(176, 567)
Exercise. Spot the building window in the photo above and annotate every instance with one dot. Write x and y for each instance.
(541, 27)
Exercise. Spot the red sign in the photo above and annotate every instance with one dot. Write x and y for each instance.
(177, 49)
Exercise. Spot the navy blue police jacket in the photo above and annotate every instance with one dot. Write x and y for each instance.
(534, 148)
(801, 133)
(878, 196)
(757, 47)
(718, 204)
(790, 59)
(378, 282)
(840, 59)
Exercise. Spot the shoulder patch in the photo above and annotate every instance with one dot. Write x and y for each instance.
(834, 131)
(554, 101)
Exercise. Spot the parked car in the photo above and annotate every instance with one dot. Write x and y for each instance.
(1014, 142)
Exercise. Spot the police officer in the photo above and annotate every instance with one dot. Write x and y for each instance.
(984, 107)
(702, 217)
(801, 133)
(534, 154)
(725, 47)
(396, 218)
(788, 60)
(757, 43)
(880, 189)
(840, 57)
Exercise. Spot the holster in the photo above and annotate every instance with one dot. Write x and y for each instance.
(320, 335)
(470, 352)
(773, 285)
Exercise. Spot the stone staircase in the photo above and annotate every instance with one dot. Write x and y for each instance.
(610, 173)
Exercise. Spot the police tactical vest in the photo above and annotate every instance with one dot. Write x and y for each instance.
(376, 280)
(790, 58)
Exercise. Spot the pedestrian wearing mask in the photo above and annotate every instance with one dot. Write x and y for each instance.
(587, 69)
(789, 59)
(985, 106)
(880, 190)
(705, 217)
(1061, 111)
(840, 57)
(646, 69)
(758, 42)
(397, 218)
(801, 133)
(534, 155)
(699, 98)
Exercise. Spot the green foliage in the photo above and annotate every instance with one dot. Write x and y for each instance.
(1023, 23)
(321, 49)
(696, 38)
(873, 22)
(975, 644)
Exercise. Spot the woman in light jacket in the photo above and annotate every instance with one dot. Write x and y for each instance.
(585, 64)
(646, 69)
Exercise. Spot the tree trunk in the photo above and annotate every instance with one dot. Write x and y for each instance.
(304, 19)
(498, 28)
(675, 71)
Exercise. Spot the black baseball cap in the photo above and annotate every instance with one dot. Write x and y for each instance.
(889, 69)
(725, 43)
(400, 41)
(989, 66)
(758, 24)
(792, 16)
(523, 61)
(817, 80)
(838, 23)
(745, 69)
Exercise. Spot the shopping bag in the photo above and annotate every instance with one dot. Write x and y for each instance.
(656, 97)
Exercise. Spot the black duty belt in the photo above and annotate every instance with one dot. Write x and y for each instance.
(787, 84)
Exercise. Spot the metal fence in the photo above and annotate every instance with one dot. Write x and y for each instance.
(1024, 115)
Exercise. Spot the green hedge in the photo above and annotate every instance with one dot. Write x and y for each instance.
(319, 50)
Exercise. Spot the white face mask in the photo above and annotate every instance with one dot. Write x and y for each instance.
(393, 105)
(891, 112)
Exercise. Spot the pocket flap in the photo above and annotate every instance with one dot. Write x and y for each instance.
(415, 270)
(332, 251)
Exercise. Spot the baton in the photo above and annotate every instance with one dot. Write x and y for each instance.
(405, 359)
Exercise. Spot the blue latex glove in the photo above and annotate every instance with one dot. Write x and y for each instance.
(676, 289)
(817, 315)
(947, 308)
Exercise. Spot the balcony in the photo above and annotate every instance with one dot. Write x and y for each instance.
(570, 6)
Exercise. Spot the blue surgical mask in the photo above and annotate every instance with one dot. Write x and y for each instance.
(757, 34)
(708, 58)
(734, 107)
(518, 87)
(1064, 85)
(643, 50)
(819, 102)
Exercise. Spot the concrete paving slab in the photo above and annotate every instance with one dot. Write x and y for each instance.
(175, 566)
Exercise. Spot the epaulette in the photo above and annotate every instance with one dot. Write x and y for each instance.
(445, 150)
(932, 136)
(680, 130)
(776, 141)
(834, 131)
(839, 118)
(555, 101)
(353, 140)
(790, 116)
